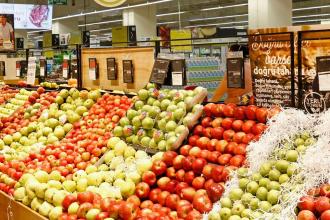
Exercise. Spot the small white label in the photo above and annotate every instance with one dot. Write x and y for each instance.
(177, 79)
(18, 72)
(62, 119)
(65, 73)
(92, 74)
(42, 71)
(324, 82)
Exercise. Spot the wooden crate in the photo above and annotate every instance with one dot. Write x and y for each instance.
(18, 210)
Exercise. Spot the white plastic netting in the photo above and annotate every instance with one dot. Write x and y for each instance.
(282, 129)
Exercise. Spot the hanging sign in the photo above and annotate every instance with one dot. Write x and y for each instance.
(159, 71)
(65, 66)
(110, 3)
(128, 71)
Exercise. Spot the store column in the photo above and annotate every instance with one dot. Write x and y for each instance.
(270, 13)
(144, 18)
(65, 26)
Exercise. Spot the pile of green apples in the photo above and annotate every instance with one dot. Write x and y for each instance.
(52, 126)
(116, 177)
(158, 117)
(261, 192)
(13, 104)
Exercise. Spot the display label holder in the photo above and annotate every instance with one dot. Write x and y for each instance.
(159, 71)
(178, 72)
(323, 73)
(235, 73)
(42, 63)
(128, 71)
(31, 71)
(18, 68)
(112, 72)
(65, 67)
(92, 71)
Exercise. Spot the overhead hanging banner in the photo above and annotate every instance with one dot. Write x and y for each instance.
(28, 16)
(178, 45)
(110, 3)
(7, 36)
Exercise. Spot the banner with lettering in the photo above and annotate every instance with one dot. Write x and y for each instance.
(269, 58)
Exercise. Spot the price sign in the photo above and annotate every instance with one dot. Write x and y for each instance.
(128, 71)
(323, 72)
(178, 72)
(111, 69)
(31, 72)
(235, 73)
(42, 67)
(159, 71)
(92, 69)
(18, 69)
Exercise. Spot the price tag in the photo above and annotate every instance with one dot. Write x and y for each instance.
(18, 69)
(42, 71)
(65, 69)
(92, 69)
(177, 79)
(31, 73)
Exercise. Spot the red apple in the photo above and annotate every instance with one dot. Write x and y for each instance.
(208, 109)
(188, 193)
(212, 144)
(261, 115)
(198, 164)
(239, 113)
(306, 203)
(184, 150)
(216, 123)
(247, 126)
(325, 190)
(202, 202)
(168, 157)
(183, 210)
(250, 112)
(154, 194)
(325, 215)
(207, 132)
(202, 142)
(142, 190)
(247, 138)
(172, 200)
(236, 160)
(159, 167)
(238, 137)
(258, 128)
(162, 182)
(177, 162)
(306, 215)
(206, 122)
(149, 177)
(227, 123)
(221, 145)
(207, 170)
(217, 133)
(198, 182)
(322, 204)
(198, 130)
(162, 197)
(83, 209)
(195, 152)
(215, 192)
(180, 186)
(228, 110)
(224, 159)
(187, 162)
(213, 156)
(228, 135)
(180, 175)
(170, 172)
(68, 199)
(230, 147)
(216, 173)
(189, 177)
(237, 125)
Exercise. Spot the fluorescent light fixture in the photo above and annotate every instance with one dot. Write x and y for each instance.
(103, 29)
(311, 20)
(308, 16)
(226, 6)
(167, 22)
(172, 13)
(101, 22)
(34, 32)
(213, 18)
(310, 8)
(217, 24)
(111, 9)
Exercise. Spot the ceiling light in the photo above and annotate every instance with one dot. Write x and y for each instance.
(308, 16)
(310, 8)
(111, 9)
(212, 18)
(103, 29)
(172, 13)
(167, 22)
(226, 6)
(217, 24)
(311, 20)
(102, 22)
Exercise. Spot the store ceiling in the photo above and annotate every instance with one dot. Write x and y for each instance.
(193, 12)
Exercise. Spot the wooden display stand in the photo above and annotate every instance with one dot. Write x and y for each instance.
(142, 59)
(18, 210)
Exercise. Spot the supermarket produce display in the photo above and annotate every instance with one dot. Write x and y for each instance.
(90, 154)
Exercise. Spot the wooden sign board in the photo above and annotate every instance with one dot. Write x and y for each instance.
(159, 71)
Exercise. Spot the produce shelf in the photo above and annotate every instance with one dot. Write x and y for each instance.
(18, 210)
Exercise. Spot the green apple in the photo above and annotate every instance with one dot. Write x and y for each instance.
(246, 213)
(264, 182)
(256, 177)
(225, 213)
(246, 198)
(226, 202)
(282, 165)
(214, 216)
(254, 203)
(243, 183)
(237, 208)
(273, 185)
(274, 175)
(292, 155)
(291, 169)
(265, 168)
(236, 194)
(73, 208)
(252, 187)
(301, 148)
(283, 178)
(55, 213)
(262, 193)
(235, 217)
(273, 196)
(92, 213)
(265, 206)
(242, 172)
(299, 141)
